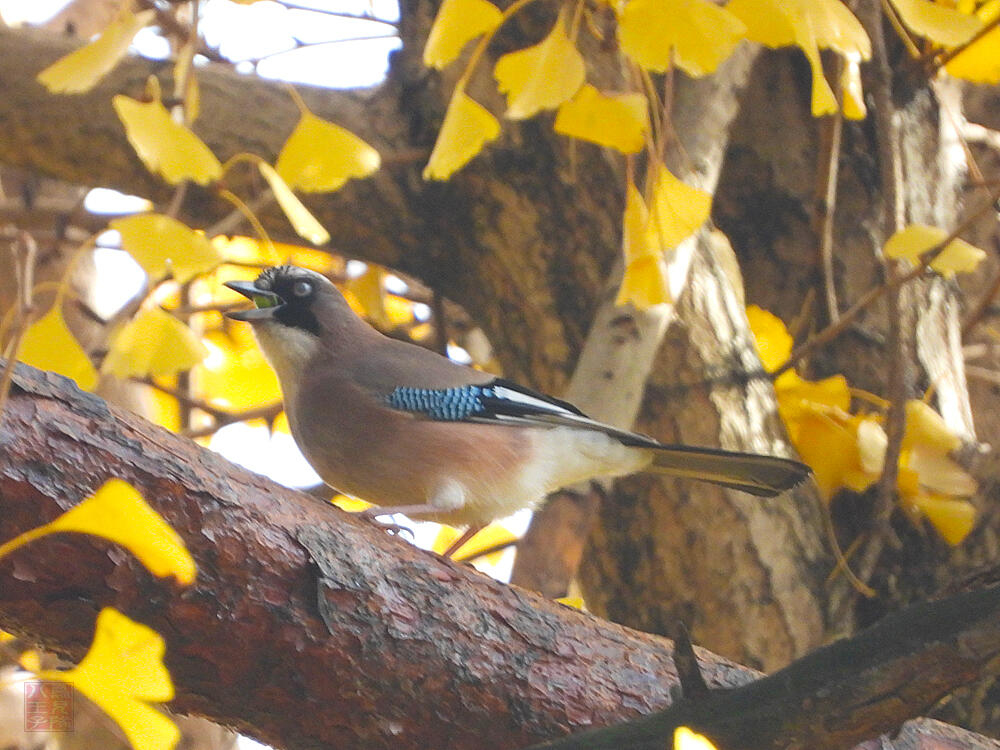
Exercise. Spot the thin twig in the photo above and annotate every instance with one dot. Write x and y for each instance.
(894, 212)
(339, 14)
(268, 412)
(848, 318)
(25, 302)
(976, 315)
(486, 551)
(827, 209)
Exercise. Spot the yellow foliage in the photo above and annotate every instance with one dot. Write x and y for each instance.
(458, 22)
(810, 25)
(119, 513)
(48, 344)
(696, 35)
(637, 241)
(153, 343)
(248, 250)
(847, 450)
(774, 343)
(123, 673)
(350, 504)
(81, 69)
(467, 127)
(645, 283)
(320, 156)
(165, 410)
(235, 375)
(162, 245)
(953, 519)
(942, 25)
(576, 602)
(854, 98)
(369, 292)
(980, 61)
(686, 739)
(676, 210)
(913, 241)
(542, 76)
(304, 223)
(924, 426)
(492, 536)
(165, 146)
(615, 120)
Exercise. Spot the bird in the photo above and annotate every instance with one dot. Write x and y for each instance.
(413, 432)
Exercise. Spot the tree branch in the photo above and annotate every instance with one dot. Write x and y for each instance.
(310, 627)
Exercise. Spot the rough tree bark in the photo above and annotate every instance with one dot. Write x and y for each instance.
(524, 239)
(308, 627)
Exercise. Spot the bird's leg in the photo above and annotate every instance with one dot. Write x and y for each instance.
(466, 536)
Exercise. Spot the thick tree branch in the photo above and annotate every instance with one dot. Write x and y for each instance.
(310, 627)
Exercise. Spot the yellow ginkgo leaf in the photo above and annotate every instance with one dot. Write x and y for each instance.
(924, 426)
(49, 345)
(244, 250)
(774, 343)
(916, 239)
(166, 146)
(696, 35)
(942, 25)
(320, 156)
(118, 512)
(636, 235)
(304, 223)
(686, 739)
(811, 25)
(123, 673)
(677, 210)
(81, 69)
(542, 76)
(457, 23)
(940, 473)
(162, 245)
(153, 343)
(797, 396)
(952, 519)
(350, 504)
(235, 375)
(369, 291)
(576, 602)
(467, 127)
(872, 444)
(614, 120)
(492, 536)
(980, 61)
(645, 283)
(854, 98)
(826, 441)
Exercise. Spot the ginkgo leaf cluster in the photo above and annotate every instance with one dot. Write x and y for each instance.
(123, 672)
(846, 449)
(156, 343)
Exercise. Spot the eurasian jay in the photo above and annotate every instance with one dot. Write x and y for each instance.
(409, 430)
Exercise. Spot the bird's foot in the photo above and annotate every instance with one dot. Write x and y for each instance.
(375, 514)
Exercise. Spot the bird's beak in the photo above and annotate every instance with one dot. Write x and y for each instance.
(267, 303)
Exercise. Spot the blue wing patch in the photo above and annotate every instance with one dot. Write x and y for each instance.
(445, 405)
(498, 399)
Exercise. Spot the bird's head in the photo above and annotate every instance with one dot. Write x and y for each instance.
(294, 309)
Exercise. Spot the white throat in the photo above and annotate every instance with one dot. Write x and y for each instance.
(289, 351)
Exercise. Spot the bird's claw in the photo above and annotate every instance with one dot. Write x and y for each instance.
(391, 527)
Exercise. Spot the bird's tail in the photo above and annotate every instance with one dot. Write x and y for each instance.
(765, 476)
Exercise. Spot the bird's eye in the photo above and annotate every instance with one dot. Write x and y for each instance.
(302, 289)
